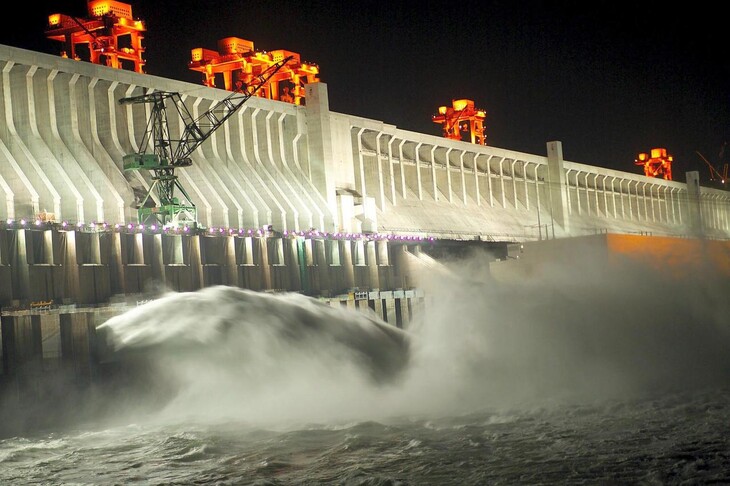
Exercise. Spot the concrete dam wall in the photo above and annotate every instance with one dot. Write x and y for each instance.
(298, 168)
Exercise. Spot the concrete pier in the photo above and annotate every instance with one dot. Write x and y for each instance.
(92, 265)
(60, 283)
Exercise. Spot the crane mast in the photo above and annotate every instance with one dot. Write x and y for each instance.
(161, 154)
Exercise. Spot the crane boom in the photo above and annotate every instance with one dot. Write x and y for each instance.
(162, 154)
(715, 174)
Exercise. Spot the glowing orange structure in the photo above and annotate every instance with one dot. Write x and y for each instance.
(111, 36)
(238, 64)
(659, 164)
(460, 117)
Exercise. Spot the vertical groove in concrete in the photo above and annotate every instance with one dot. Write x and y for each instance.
(211, 170)
(18, 107)
(301, 211)
(249, 145)
(259, 130)
(316, 217)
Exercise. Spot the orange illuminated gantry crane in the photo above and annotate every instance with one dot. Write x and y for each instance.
(460, 117)
(656, 164)
(238, 64)
(110, 36)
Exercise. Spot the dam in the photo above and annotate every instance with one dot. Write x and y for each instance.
(289, 197)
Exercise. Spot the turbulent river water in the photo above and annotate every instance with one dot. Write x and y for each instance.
(575, 376)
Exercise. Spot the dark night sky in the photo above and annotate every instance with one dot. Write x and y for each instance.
(608, 79)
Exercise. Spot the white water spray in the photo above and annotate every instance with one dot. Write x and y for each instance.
(579, 333)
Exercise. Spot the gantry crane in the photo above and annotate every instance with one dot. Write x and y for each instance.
(111, 36)
(656, 164)
(236, 60)
(162, 154)
(462, 116)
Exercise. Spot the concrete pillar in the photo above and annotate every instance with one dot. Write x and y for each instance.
(6, 289)
(230, 268)
(557, 199)
(322, 266)
(399, 299)
(322, 162)
(371, 258)
(263, 263)
(346, 262)
(19, 268)
(196, 263)
(390, 311)
(155, 259)
(77, 345)
(115, 262)
(72, 290)
(694, 210)
(296, 263)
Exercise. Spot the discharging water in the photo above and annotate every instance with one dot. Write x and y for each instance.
(568, 378)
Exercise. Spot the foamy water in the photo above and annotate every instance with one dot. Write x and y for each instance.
(572, 377)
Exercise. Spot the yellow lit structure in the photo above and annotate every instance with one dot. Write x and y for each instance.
(656, 164)
(110, 36)
(461, 117)
(237, 64)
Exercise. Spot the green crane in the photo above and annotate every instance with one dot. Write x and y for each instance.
(161, 154)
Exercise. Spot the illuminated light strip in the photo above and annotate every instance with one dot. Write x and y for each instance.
(217, 231)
